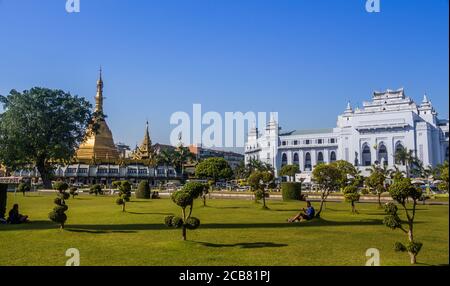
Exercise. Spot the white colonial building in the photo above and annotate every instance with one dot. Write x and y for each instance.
(362, 137)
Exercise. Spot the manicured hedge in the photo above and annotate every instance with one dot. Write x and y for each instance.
(143, 191)
(291, 191)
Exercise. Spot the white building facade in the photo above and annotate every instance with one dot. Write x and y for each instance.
(366, 136)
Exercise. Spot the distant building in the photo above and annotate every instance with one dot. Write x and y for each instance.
(233, 159)
(362, 137)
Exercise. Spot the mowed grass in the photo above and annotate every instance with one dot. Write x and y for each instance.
(233, 232)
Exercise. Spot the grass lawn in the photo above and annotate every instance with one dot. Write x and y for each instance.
(233, 232)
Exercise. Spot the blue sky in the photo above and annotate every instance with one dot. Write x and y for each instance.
(302, 58)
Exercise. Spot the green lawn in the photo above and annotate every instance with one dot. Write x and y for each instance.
(233, 232)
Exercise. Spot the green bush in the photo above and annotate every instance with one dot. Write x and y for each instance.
(291, 191)
(192, 223)
(168, 220)
(143, 191)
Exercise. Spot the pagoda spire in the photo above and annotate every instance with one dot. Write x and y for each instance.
(99, 96)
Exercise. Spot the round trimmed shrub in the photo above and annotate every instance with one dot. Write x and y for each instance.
(192, 223)
(291, 191)
(168, 220)
(119, 201)
(143, 191)
(177, 221)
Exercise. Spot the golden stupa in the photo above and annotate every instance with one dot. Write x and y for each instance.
(99, 144)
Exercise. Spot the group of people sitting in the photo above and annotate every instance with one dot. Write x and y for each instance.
(15, 217)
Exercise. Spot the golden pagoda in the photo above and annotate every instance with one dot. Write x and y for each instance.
(99, 144)
(145, 150)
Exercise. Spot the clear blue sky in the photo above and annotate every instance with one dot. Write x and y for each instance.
(302, 58)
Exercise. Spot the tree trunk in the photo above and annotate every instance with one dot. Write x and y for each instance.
(353, 207)
(204, 200)
(413, 258)
(264, 200)
(45, 175)
(123, 207)
(379, 201)
(320, 208)
(184, 223)
(62, 226)
(184, 232)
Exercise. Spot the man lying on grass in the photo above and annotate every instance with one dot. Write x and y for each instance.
(305, 214)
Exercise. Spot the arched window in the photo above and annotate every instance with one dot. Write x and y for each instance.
(398, 148)
(308, 162)
(296, 161)
(319, 158)
(284, 160)
(333, 156)
(366, 156)
(382, 154)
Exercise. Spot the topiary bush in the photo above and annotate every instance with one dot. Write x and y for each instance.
(143, 191)
(291, 191)
(58, 214)
(96, 190)
(124, 193)
(73, 191)
(23, 188)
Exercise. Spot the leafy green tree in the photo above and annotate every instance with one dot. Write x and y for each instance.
(24, 188)
(214, 169)
(442, 175)
(327, 177)
(40, 128)
(96, 190)
(396, 174)
(58, 214)
(259, 181)
(124, 188)
(405, 157)
(376, 181)
(184, 198)
(348, 173)
(289, 171)
(351, 195)
(400, 191)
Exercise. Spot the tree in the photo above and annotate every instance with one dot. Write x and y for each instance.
(400, 191)
(42, 127)
(327, 177)
(58, 214)
(214, 169)
(442, 175)
(182, 156)
(289, 171)
(351, 195)
(348, 173)
(73, 191)
(124, 193)
(376, 181)
(259, 181)
(405, 157)
(143, 191)
(24, 187)
(185, 198)
(3, 200)
(96, 190)
(396, 174)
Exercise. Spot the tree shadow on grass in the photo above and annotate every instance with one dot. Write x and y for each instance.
(41, 225)
(149, 213)
(244, 244)
(96, 231)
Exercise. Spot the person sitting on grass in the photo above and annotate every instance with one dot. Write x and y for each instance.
(15, 217)
(305, 214)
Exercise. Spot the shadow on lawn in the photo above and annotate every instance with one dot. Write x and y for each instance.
(244, 244)
(149, 213)
(104, 228)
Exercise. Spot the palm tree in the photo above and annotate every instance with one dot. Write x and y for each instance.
(396, 173)
(405, 157)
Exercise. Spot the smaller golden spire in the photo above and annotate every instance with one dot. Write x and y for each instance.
(99, 96)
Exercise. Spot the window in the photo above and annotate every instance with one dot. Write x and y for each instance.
(399, 149)
(319, 158)
(383, 154)
(83, 170)
(102, 171)
(295, 142)
(307, 142)
(114, 171)
(283, 143)
(333, 156)
(132, 171)
(71, 170)
(366, 156)
(319, 141)
(143, 171)
(308, 162)
(296, 161)
(332, 140)
(284, 160)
